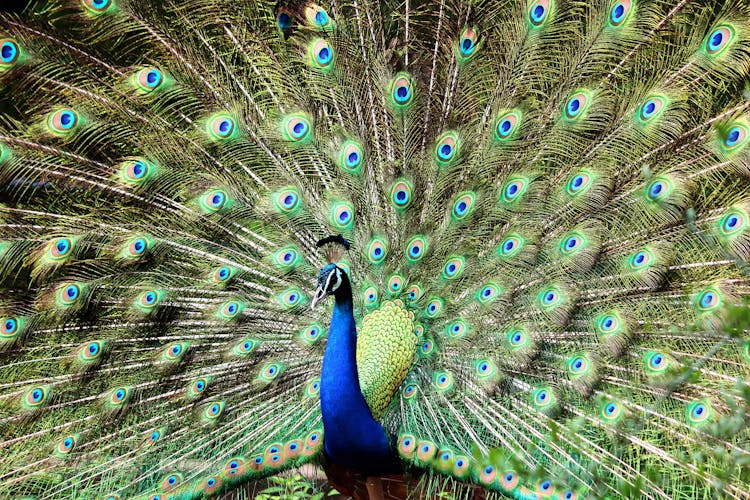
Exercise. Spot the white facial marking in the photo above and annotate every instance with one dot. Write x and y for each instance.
(334, 281)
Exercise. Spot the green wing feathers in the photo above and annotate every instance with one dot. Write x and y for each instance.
(548, 204)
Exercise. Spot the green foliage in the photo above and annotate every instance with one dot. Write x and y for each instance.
(293, 487)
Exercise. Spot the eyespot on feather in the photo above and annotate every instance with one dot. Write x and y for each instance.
(719, 39)
(342, 215)
(407, 446)
(576, 105)
(507, 124)
(296, 127)
(416, 249)
(539, 12)
(69, 294)
(62, 122)
(136, 171)
(10, 53)
(222, 127)
(402, 90)
(467, 45)
(317, 17)
(148, 79)
(620, 13)
(488, 293)
(651, 108)
(453, 267)
(463, 205)
(401, 194)
(377, 250)
(447, 148)
(350, 157)
(321, 55)
(434, 307)
(214, 200)
(579, 183)
(97, 7)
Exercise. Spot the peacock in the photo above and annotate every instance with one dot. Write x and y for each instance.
(449, 248)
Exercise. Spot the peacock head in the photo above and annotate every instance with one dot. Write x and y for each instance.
(332, 280)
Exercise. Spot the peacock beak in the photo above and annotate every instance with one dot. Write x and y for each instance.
(320, 294)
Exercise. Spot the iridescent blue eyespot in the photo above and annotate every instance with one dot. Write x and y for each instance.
(538, 12)
(67, 120)
(461, 208)
(284, 20)
(10, 326)
(707, 299)
(96, 6)
(573, 106)
(62, 245)
(8, 52)
(139, 169)
(735, 136)
(504, 127)
(353, 159)
(402, 93)
(714, 41)
(445, 152)
(649, 108)
(656, 361)
(72, 292)
(299, 129)
(217, 200)
(618, 11)
(153, 77)
(698, 410)
(324, 56)
(578, 183)
(731, 222)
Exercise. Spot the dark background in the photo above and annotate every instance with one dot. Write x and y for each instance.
(13, 5)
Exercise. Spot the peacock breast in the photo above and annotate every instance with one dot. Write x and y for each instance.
(386, 347)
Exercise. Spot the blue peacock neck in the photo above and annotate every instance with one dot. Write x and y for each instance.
(352, 437)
